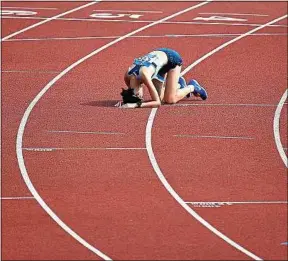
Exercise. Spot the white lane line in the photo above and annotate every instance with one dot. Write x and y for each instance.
(128, 11)
(144, 21)
(21, 161)
(28, 8)
(87, 132)
(215, 137)
(157, 168)
(48, 20)
(223, 104)
(63, 38)
(24, 120)
(276, 128)
(236, 14)
(16, 198)
(142, 36)
(232, 41)
(222, 35)
(15, 71)
(221, 204)
(178, 198)
(99, 148)
(237, 202)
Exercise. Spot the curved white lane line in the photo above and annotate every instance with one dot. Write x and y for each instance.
(177, 197)
(276, 128)
(24, 120)
(157, 168)
(49, 19)
(232, 41)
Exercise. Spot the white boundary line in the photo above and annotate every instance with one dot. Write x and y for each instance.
(48, 20)
(128, 11)
(232, 41)
(276, 128)
(144, 21)
(15, 71)
(54, 149)
(140, 36)
(29, 8)
(16, 198)
(236, 14)
(215, 137)
(86, 132)
(223, 104)
(237, 202)
(20, 157)
(157, 168)
(24, 120)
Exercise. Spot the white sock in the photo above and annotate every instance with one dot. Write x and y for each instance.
(191, 88)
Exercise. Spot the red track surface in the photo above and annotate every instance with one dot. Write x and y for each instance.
(112, 198)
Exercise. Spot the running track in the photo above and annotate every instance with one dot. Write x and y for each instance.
(143, 184)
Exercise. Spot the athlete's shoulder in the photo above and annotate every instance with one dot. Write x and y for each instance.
(165, 49)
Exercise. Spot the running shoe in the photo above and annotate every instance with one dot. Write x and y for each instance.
(182, 82)
(198, 90)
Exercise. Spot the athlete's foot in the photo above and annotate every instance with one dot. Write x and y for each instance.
(199, 91)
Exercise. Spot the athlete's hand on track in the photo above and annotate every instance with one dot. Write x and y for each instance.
(126, 105)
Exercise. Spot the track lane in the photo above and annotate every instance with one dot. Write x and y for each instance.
(33, 237)
(45, 57)
(269, 225)
(237, 10)
(48, 20)
(10, 26)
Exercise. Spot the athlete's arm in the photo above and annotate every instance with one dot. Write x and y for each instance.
(127, 79)
(145, 74)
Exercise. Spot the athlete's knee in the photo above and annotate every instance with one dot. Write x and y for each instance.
(170, 100)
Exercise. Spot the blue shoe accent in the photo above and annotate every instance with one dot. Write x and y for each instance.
(198, 90)
(182, 82)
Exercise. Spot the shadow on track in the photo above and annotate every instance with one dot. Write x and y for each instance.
(102, 103)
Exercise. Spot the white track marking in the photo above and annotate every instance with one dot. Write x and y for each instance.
(24, 120)
(128, 11)
(221, 204)
(143, 21)
(55, 149)
(141, 36)
(63, 38)
(20, 157)
(28, 8)
(237, 202)
(15, 71)
(236, 14)
(48, 20)
(276, 128)
(222, 35)
(223, 104)
(87, 132)
(232, 41)
(157, 168)
(16, 198)
(215, 137)
(177, 197)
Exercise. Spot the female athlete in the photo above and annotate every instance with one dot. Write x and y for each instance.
(160, 71)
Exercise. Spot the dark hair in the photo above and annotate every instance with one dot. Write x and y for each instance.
(129, 96)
